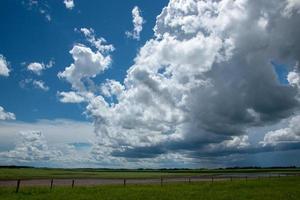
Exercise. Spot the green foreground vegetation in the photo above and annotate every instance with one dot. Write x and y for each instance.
(32, 173)
(287, 188)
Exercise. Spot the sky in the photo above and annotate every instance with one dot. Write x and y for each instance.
(131, 84)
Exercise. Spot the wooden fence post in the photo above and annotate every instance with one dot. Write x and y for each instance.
(231, 178)
(124, 182)
(51, 184)
(73, 182)
(161, 181)
(246, 178)
(189, 179)
(18, 185)
(212, 179)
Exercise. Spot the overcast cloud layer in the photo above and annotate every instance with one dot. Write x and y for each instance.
(197, 91)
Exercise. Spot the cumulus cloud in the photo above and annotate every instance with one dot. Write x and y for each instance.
(287, 135)
(69, 4)
(37, 67)
(138, 22)
(198, 85)
(6, 115)
(112, 88)
(70, 97)
(4, 66)
(87, 63)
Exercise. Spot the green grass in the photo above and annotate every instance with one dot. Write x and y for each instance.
(28, 173)
(287, 188)
(31, 173)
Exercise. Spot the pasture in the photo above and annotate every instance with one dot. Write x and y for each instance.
(34, 173)
(285, 188)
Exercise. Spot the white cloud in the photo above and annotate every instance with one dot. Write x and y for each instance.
(70, 97)
(233, 145)
(37, 67)
(6, 115)
(4, 66)
(287, 135)
(40, 85)
(87, 63)
(37, 84)
(32, 146)
(97, 42)
(138, 22)
(294, 77)
(69, 4)
(112, 88)
(291, 6)
(59, 142)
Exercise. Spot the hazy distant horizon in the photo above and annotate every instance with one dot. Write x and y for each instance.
(136, 84)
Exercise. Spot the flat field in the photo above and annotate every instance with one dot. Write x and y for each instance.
(34, 173)
(285, 188)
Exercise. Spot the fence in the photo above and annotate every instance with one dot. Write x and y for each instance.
(162, 180)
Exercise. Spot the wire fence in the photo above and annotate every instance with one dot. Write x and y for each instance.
(125, 181)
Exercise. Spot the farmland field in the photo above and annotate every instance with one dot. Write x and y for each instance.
(286, 188)
(33, 173)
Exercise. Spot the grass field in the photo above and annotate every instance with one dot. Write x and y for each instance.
(30, 173)
(287, 188)
(82, 173)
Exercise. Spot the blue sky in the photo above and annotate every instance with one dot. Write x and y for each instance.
(27, 36)
(170, 83)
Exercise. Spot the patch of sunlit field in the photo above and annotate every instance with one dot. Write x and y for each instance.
(30, 173)
(287, 188)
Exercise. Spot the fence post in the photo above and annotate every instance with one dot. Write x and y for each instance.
(246, 178)
(189, 179)
(161, 181)
(212, 179)
(231, 178)
(73, 181)
(18, 185)
(51, 184)
(124, 182)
